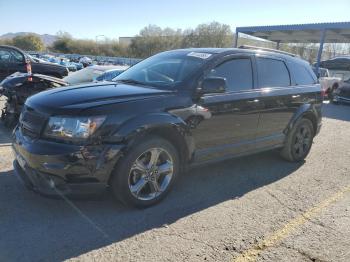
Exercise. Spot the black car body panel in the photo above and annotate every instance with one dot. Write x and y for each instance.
(202, 127)
(13, 60)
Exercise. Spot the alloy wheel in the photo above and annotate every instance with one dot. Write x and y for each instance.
(302, 141)
(150, 174)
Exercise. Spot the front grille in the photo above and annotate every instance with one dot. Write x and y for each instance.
(31, 122)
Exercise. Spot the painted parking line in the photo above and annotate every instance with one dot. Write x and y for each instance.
(5, 144)
(276, 237)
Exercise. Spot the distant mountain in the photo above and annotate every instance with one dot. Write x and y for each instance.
(46, 38)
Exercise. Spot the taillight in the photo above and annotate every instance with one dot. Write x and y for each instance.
(323, 93)
(29, 70)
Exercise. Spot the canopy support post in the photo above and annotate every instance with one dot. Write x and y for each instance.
(319, 54)
(236, 39)
(278, 45)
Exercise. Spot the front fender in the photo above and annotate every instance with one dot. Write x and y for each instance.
(155, 121)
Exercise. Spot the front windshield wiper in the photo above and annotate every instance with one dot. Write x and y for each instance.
(130, 81)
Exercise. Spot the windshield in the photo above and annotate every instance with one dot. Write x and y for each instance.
(164, 70)
(323, 72)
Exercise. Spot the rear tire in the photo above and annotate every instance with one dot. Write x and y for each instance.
(299, 141)
(146, 173)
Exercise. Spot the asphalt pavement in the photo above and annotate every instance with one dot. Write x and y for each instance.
(256, 208)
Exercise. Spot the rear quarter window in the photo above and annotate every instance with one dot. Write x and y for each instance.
(302, 75)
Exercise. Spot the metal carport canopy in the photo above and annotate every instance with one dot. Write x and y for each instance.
(300, 33)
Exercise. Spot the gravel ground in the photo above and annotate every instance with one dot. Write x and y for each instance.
(253, 208)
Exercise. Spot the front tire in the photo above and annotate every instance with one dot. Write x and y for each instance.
(147, 172)
(299, 141)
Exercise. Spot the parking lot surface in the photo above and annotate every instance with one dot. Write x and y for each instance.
(253, 208)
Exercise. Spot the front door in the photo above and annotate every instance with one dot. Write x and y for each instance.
(16, 63)
(228, 120)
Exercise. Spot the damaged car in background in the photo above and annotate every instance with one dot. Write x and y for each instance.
(19, 86)
(342, 93)
(13, 59)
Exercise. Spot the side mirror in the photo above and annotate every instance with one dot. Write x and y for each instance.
(212, 85)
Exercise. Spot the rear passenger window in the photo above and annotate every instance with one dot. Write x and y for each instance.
(301, 75)
(272, 73)
(238, 74)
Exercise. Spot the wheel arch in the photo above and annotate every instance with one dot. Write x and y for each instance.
(164, 125)
(305, 111)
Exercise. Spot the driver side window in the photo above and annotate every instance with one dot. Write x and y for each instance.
(238, 73)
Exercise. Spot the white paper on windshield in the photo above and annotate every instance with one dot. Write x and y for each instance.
(199, 55)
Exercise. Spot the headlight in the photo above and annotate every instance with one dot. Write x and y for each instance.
(73, 128)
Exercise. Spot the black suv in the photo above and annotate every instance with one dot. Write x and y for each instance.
(137, 134)
(13, 60)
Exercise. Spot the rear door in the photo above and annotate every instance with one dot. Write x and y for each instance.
(230, 119)
(277, 100)
(284, 86)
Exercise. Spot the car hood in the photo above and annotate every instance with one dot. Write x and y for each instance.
(82, 97)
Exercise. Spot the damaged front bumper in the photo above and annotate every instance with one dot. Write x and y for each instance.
(53, 169)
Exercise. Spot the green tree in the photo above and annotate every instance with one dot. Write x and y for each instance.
(153, 39)
(63, 43)
(214, 34)
(30, 42)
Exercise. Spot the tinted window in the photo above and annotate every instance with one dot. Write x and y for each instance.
(272, 73)
(302, 75)
(16, 56)
(238, 74)
(5, 56)
(10, 56)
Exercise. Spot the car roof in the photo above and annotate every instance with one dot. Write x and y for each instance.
(227, 51)
(12, 47)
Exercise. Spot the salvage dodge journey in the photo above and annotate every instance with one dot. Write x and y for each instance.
(137, 134)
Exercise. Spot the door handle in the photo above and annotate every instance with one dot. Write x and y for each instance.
(253, 101)
(295, 96)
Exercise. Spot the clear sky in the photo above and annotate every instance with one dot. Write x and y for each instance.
(114, 18)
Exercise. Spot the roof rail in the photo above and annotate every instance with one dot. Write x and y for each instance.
(266, 49)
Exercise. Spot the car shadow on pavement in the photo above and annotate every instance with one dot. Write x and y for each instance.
(5, 135)
(36, 228)
(339, 112)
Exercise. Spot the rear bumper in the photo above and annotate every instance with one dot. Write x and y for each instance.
(59, 169)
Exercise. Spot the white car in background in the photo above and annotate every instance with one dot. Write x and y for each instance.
(328, 83)
(92, 73)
